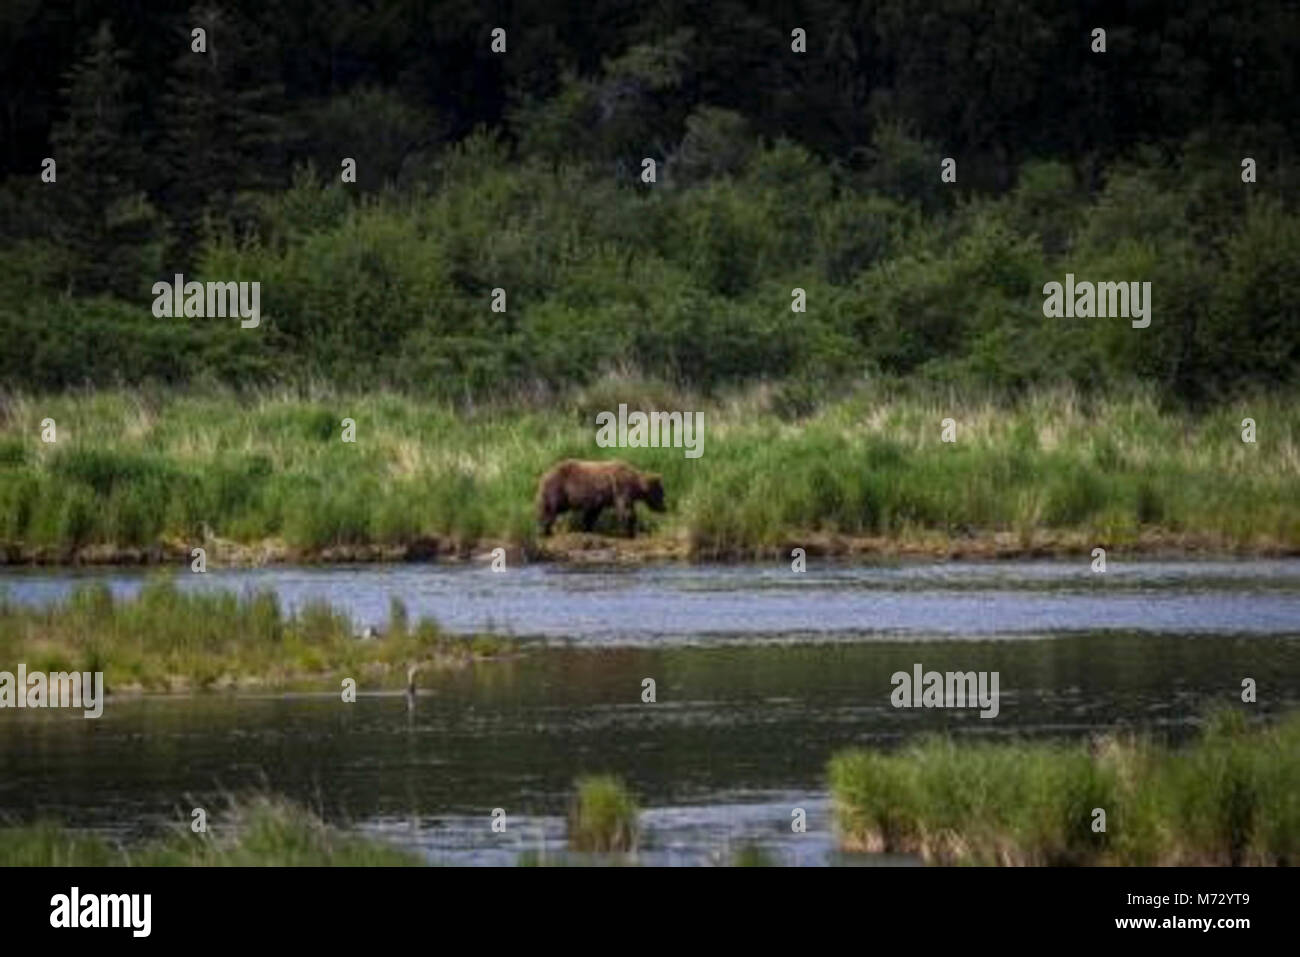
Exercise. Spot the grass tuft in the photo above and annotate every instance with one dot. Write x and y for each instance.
(259, 831)
(603, 816)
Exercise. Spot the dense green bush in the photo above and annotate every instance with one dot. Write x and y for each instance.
(773, 173)
(693, 285)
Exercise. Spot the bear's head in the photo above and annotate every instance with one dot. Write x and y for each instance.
(652, 490)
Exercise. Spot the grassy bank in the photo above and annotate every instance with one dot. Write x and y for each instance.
(168, 640)
(134, 476)
(259, 831)
(1230, 798)
(270, 830)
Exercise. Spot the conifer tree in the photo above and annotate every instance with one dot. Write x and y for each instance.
(222, 133)
(104, 223)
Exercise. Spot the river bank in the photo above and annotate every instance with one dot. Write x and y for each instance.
(145, 478)
(257, 831)
(577, 549)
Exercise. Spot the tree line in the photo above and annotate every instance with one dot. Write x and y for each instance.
(776, 170)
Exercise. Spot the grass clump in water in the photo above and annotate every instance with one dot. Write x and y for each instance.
(1227, 799)
(168, 638)
(753, 855)
(603, 816)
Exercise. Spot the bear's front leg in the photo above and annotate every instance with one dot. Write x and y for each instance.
(626, 512)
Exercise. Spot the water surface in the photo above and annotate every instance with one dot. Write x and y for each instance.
(675, 603)
(761, 675)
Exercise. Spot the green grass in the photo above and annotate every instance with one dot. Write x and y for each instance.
(1232, 797)
(168, 639)
(259, 831)
(603, 816)
(139, 470)
(752, 855)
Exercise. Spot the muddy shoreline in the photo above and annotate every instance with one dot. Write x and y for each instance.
(589, 549)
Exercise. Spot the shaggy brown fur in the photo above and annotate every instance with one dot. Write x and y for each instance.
(590, 487)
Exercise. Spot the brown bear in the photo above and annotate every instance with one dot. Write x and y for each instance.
(590, 487)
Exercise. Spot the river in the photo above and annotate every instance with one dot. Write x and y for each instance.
(760, 674)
